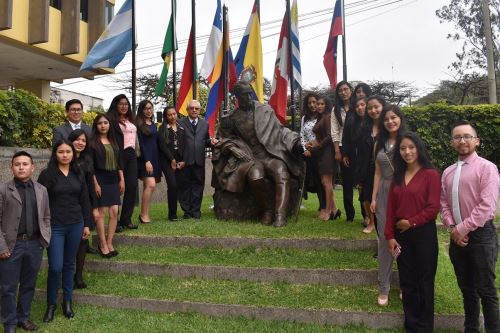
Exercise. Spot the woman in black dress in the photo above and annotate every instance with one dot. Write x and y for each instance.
(149, 165)
(84, 161)
(108, 181)
(171, 144)
(70, 220)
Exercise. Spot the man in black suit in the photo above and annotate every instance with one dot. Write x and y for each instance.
(74, 113)
(193, 175)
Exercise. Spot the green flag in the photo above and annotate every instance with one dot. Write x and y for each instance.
(168, 46)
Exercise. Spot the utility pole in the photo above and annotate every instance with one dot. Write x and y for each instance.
(492, 86)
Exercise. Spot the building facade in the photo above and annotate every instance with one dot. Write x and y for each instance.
(47, 40)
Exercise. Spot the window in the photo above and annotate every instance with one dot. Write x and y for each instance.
(55, 4)
(84, 10)
(108, 12)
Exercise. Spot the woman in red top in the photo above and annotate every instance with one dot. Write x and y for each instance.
(410, 229)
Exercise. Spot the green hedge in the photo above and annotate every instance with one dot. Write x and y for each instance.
(27, 121)
(433, 123)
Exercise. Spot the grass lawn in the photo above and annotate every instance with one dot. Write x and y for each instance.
(97, 319)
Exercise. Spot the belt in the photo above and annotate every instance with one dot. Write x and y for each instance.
(25, 237)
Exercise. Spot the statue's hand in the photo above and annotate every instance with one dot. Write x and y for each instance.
(297, 149)
(240, 154)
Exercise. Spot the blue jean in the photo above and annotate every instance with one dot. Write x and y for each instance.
(21, 267)
(62, 251)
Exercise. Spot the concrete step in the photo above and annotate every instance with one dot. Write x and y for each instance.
(242, 242)
(329, 317)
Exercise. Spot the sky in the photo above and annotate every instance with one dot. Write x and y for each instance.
(399, 40)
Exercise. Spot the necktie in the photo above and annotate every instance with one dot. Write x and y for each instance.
(28, 201)
(193, 123)
(454, 193)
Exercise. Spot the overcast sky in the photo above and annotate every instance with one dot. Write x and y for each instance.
(400, 40)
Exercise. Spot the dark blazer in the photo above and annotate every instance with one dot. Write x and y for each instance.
(166, 147)
(195, 143)
(10, 214)
(63, 131)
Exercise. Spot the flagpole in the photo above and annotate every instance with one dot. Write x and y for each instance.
(193, 35)
(224, 59)
(174, 43)
(344, 56)
(133, 58)
(290, 63)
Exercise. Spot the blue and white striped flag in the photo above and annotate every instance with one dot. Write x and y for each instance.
(297, 72)
(115, 41)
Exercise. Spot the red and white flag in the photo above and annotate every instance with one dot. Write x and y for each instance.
(279, 89)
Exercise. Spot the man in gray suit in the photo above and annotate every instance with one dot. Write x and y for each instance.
(74, 113)
(193, 175)
(24, 232)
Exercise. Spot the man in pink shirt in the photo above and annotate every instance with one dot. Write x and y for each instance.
(468, 200)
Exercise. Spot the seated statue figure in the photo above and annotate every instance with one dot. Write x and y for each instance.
(254, 146)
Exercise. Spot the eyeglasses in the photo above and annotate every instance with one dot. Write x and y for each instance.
(466, 138)
(75, 110)
(194, 108)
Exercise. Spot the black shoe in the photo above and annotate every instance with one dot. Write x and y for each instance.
(335, 216)
(118, 229)
(80, 284)
(173, 218)
(104, 255)
(130, 226)
(27, 325)
(91, 250)
(187, 217)
(113, 253)
(68, 309)
(49, 313)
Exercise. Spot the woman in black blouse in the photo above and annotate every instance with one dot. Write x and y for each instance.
(70, 220)
(171, 144)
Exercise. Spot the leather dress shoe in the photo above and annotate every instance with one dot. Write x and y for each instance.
(91, 250)
(130, 226)
(27, 325)
(173, 218)
(49, 313)
(118, 229)
(68, 309)
(10, 329)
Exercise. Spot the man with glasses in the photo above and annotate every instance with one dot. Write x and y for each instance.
(193, 175)
(469, 195)
(74, 113)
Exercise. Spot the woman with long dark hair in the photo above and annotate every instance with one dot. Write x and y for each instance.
(84, 161)
(326, 164)
(70, 221)
(341, 114)
(309, 119)
(149, 164)
(410, 229)
(171, 144)
(391, 127)
(122, 120)
(108, 182)
(365, 168)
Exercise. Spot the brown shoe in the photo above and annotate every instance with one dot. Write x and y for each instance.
(27, 325)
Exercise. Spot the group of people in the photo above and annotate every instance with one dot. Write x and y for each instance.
(401, 195)
(89, 169)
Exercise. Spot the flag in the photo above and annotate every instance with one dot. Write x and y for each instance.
(330, 57)
(249, 57)
(169, 45)
(212, 69)
(297, 72)
(279, 88)
(186, 87)
(114, 42)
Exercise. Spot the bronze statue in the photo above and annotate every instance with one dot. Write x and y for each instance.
(255, 145)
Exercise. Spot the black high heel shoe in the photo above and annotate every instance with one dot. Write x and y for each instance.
(49, 313)
(68, 309)
(335, 216)
(104, 255)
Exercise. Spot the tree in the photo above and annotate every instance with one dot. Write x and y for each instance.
(395, 92)
(467, 17)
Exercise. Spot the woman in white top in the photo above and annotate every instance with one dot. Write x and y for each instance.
(340, 114)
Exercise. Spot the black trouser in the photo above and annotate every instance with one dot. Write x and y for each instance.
(130, 172)
(347, 189)
(475, 270)
(417, 266)
(191, 189)
(313, 180)
(171, 177)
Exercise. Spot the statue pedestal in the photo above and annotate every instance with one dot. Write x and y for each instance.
(243, 206)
